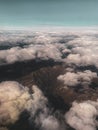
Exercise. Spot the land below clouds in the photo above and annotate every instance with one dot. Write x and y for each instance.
(44, 74)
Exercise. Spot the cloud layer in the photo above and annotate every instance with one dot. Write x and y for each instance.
(78, 51)
(78, 48)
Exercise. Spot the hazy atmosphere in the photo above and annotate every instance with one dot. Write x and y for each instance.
(48, 12)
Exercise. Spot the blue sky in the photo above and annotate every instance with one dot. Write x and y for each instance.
(27, 13)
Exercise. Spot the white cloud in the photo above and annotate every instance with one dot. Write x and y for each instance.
(73, 79)
(43, 52)
(82, 116)
(14, 98)
(84, 51)
(79, 48)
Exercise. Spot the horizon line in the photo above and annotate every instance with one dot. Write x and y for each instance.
(47, 27)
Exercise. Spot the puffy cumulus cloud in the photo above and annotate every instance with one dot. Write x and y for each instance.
(25, 38)
(31, 52)
(43, 38)
(73, 79)
(15, 37)
(78, 48)
(16, 54)
(82, 116)
(84, 51)
(34, 37)
(14, 98)
(83, 60)
(19, 46)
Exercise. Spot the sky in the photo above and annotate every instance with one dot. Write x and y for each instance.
(29, 13)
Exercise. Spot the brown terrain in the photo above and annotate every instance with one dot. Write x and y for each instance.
(44, 74)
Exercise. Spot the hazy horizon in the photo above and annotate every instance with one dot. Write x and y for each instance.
(32, 13)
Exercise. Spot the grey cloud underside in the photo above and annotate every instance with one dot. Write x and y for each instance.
(75, 81)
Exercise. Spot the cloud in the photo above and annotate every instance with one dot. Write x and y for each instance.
(43, 52)
(84, 51)
(82, 116)
(50, 123)
(14, 98)
(20, 46)
(78, 48)
(73, 79)
(74, 49)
